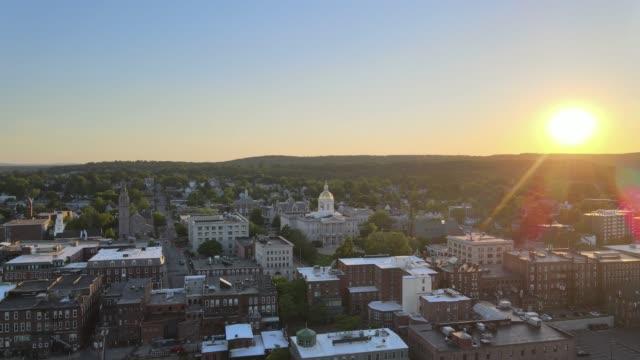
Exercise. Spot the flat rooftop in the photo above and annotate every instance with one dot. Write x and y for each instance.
(318, 273)
(223, 263)
(539, 256)
(154, 252)
(348, 343)
(213, 346)
(385, 306)
(274, 339)
(238, 331)
(631, 249)
(255, 350)
(411, 264)
(27, 222)
(480, 238)
(516, 333)
(167, 297)
(362, 289)
(273, 241)
(609, 212)
(206, 219)
(610, 256)
(444, 295)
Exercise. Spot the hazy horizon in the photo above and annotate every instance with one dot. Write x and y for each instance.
(215, 81)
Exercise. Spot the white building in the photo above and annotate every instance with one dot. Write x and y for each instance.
(325, 225)
(275, 255)
(373, 344)
(477, 248)
(610, 226)
(221, 228)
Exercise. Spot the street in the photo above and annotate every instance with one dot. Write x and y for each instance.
(176, 262)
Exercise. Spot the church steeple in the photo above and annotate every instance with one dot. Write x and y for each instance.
(123, 213)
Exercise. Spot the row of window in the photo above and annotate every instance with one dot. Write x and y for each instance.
(59, 314)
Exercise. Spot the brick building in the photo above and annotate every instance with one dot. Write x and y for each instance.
(610, 226)
(44, 262)
(117, 265)
(400, 279)
(547, 276)
(235, 298)
(445, 305)
(497, 283)
(323, 287)
(43, 316)
(624, 305)
(223, 266)
(464, 277)
(123, 309)
(491, 340)
(25, 229)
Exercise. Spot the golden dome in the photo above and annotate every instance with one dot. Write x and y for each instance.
(326, 194)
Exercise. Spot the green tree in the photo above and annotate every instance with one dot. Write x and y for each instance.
(159, 220)
(381, 220)
(346, 250)
(300, 244)
(256, 217)
(391, 243)
(110, 233)
(276, 223)
(181, 229)
(279, 354)
(317, 314)
(210, 248)
(255, 230)
(292, 299)
(348, 323)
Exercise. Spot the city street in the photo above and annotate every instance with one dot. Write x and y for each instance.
(176, 261)
(617, 344)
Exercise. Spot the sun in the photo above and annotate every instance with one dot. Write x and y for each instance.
(573, 126)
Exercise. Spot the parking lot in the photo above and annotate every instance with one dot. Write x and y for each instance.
(617, 344)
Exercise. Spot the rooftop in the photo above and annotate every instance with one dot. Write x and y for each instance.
(167, 297)
(273, 240)
(516, 333)
(48, 257)
(319, 273)
(631, 249)
(255, 350)
(274, 339)
(609, 256)
(154, 252)
(411, 264)
(27, 222)
(539, 256)
(348, 343)
(218, 218)
(130, 292)
(216, 345)
(609, 212)
(480, 238)
(223, 263)
(385, 306)
(362, 289)
(444, 295)
(238, 331)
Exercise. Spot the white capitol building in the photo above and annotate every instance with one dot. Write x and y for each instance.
(325, 225)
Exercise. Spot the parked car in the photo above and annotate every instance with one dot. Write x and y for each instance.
(582, 353)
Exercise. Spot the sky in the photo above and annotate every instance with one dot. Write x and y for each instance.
(217, 80)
